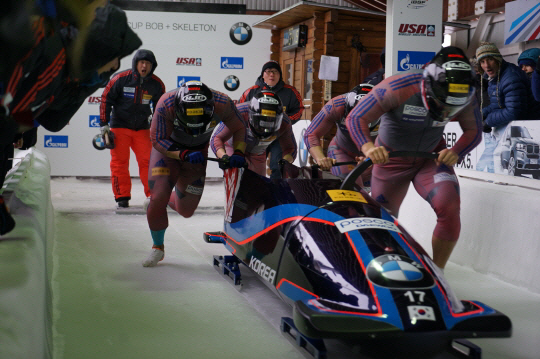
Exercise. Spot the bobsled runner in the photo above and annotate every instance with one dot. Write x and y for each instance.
(347, 267)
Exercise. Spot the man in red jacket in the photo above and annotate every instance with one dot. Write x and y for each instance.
(129, 94)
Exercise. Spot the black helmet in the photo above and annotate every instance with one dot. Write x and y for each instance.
(447, 83)
(265, 114)
(351, 100)
(194, 107)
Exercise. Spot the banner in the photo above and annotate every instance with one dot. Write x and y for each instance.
(522, 21)
(414, 33)
(222, 51)
(512, 150)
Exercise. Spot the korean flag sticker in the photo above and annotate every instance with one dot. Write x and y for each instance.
(420, 312)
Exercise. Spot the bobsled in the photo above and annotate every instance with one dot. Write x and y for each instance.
(345, 265)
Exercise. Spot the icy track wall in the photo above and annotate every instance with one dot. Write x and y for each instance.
(500, 226)
(26, 261)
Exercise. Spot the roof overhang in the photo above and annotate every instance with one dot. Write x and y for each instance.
(304, 10)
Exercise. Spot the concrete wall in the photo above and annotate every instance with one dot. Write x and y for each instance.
(500, 226)
(25, 262)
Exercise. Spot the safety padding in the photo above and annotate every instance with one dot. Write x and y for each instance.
(25, 261)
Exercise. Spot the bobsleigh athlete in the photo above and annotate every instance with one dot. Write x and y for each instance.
(180, 132)
(265, 122)
(414, 108)
(341, 148)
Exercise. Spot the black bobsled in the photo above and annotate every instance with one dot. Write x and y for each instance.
(347, 267)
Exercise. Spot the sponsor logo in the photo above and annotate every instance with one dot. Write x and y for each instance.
(353, 224)
(189, 61)
(183, 79)
(160, 171)
(93, 121)
(416, 4)
(56, 141)
(231, 83)
(337, 195)
(410, 60)
(262, 269)
(240, 33)
(94, 100)
(232, 63)
(457, 65)
(269, 100)
(197, 191)
(397, 271)
(415, 110)
(441, 177)
(416, 30)
(194, 98)
(420, 312)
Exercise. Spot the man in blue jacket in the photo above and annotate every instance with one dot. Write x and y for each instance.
(508, 90)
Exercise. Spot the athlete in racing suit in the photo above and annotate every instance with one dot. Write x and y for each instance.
(180, 132)
(279, 127)
(415, 108)
(341, 148)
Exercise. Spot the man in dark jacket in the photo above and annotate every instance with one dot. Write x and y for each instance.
(272, 79)
(377, 76)
(509, 94)
(130, 95)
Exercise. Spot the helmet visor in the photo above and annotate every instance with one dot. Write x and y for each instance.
(265, 122)
(447, 88)
(195, 117)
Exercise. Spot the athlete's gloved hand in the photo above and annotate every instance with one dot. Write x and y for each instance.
(104, 129)
(225, 162)
(237, 159)
(193, 157)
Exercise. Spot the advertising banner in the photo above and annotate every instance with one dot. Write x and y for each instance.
(414, 32)
(513, 150)
(222, 51)
(522, 21)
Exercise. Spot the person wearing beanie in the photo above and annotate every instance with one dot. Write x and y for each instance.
(271, 78)
(509, 93)
(527, 60)
(535, 81)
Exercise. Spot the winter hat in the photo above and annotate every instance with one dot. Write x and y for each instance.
(272, 65)
(527, 62)
(487, 49)
(529, 57)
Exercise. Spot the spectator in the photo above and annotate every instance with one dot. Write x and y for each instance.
(265, 123)
(130, 94)
(414, 108)
(508, 96)
(183, 122)
(341, 148)
(527, 60)
(535, 81)
(271, 78)
(378, 75)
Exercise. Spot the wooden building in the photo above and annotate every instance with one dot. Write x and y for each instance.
(356, 37)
